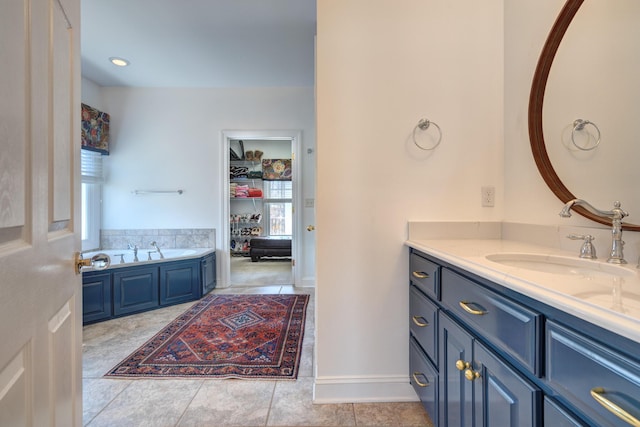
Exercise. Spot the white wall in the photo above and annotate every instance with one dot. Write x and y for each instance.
(381, 67)
(168, 139)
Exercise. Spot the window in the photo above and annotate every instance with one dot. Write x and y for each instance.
(91, 195)
(278, 208)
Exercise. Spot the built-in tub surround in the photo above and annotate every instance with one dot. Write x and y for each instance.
(125, 257)
(164, 238)
(609, 301)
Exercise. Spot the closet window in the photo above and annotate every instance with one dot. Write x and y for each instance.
(278, 208)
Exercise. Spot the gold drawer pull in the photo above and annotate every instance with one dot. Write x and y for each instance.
(415, 378)
(420, 275)
(418, 322)
(597, 394)
(468, 309)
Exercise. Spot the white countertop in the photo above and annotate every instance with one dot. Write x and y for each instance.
(611, 303)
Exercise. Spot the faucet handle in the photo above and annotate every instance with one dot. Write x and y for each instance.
(587, 250)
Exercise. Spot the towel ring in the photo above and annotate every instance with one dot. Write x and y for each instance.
(424, 124)
(579, 125)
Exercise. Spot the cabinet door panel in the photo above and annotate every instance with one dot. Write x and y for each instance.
(502, 397)
(96, 297)
(135, 290)
(179, 282)
(455, 391)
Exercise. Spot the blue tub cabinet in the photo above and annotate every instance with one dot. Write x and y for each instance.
(96, 296)
(482, 355)
(135, 288)
(179, 282)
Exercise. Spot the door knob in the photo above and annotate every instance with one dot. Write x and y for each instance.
(310, 228)
(99, 262)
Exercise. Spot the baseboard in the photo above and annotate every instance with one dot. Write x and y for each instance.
(308, 282)
(363, 389)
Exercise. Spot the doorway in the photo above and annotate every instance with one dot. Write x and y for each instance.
(261, 191)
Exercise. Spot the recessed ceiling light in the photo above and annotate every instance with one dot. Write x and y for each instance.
(120, 62)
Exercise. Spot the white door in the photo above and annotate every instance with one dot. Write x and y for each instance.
(40, 294)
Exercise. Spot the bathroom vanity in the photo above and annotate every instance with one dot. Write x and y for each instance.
(498, 341)
(147, 285)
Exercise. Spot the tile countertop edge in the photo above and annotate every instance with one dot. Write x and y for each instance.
(469, 255)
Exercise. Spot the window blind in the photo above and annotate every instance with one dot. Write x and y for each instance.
(91, 166)
(278, 190)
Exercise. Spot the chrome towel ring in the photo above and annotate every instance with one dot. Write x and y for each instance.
(424, 124)
(579, 125)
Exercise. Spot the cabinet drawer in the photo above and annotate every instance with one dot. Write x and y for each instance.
(423, 322)
(425, 275)
(508, 325)
(592, 376)
(556, 416)
(424, 379)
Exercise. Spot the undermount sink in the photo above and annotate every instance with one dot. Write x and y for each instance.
(560, 265)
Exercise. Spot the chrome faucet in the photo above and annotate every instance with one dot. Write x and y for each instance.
(616, 214)
(134, 248)
(155, 245)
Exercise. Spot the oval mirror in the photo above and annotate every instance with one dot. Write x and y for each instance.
(569, 90)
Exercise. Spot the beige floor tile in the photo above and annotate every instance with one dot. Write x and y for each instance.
(97, 394)
(230, 403)
(149, 403)
(292, 406)
(410, 414)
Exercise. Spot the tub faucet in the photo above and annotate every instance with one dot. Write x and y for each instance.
(155, 245)
(616, 214)
(134, 248)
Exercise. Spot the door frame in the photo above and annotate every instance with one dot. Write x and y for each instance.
(295, 136)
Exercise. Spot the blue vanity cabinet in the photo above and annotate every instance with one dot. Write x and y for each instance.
(96, 296)
(135, 289)
(506, 359)
(179, 282)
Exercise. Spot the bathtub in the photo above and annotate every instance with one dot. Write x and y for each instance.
(127, 287)
(124, 257)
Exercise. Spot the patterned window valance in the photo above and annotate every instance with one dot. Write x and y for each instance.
(95, 130)
(276, 169)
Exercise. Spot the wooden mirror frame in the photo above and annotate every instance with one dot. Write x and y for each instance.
(536, 101)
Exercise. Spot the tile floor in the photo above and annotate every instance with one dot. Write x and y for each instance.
(209, 403)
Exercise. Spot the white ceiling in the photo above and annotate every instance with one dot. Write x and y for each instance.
(199, 43)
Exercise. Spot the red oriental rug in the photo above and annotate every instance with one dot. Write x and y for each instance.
(225, 336)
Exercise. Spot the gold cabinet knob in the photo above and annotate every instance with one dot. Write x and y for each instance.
(310, 228)
(471, 375)
(461, 365)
